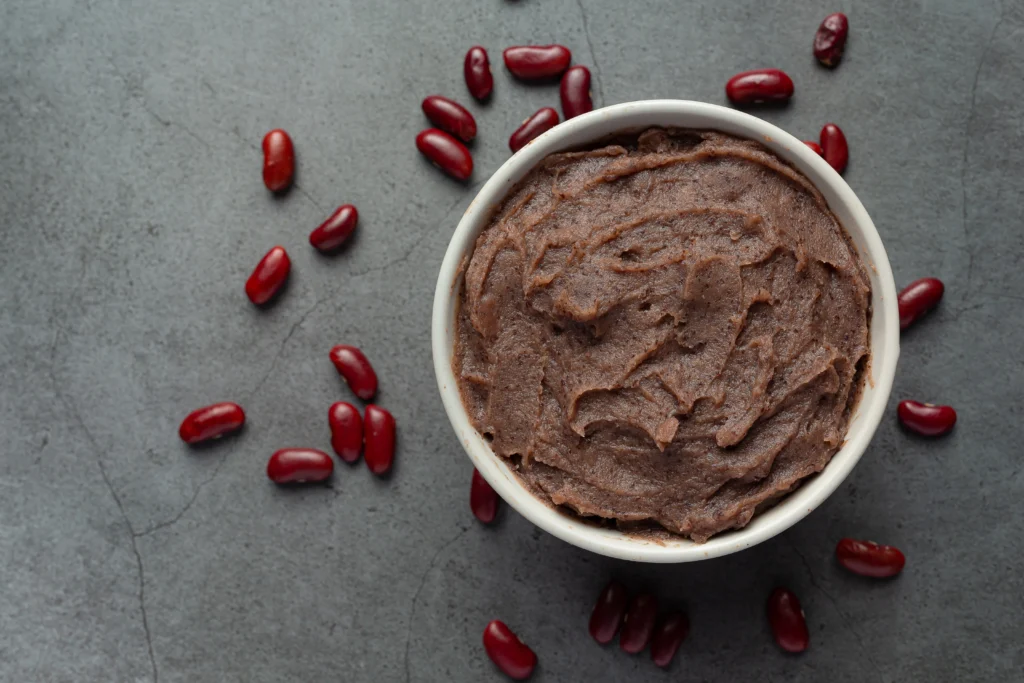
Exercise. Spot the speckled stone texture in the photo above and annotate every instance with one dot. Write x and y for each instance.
(132, 211)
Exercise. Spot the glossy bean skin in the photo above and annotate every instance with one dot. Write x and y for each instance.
(610, 608)
(870, 559)
(299, 466)
(539, 122)
(477, 72)
(815, 147)
(353, 365)
(537, 62)
(211, 422)
(834, 147)
(278, 160)
(574, 91)
(638, 624)
(926, 419)
(917, 298)
(378, 439)
(483, 500)
(346, 430)
(336, 230)
(830, 39)
(447, 153)
(786, 617)
(450, 116)
(759, 85)
(269, 276)
(515, 659)
(669, 634)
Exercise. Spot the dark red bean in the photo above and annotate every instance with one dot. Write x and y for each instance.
(669, 634)
(450, 116)
(278, 160)
(353, 365)
(760, 85)
(477, 70)
(447, 153)
(537, 62)
(609, 609)
(815, 147)
(540, 122)
(268, 276)
(917, 298)
(483, 500)
(870, 559)
(299, 465)
(575, 92)
(346, 430)
(789, 626)
(834, 147)
(830, 39)
(926, 419)
(379, 439)
(638, 625)
(336, 230)
(508, 653)
(211, 422)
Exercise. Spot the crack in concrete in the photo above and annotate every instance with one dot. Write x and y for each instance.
(593, 54)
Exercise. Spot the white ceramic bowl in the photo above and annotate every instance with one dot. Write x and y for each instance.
(885, 332)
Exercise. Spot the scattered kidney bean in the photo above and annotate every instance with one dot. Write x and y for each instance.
(669, 634)
(917, 298)
(379, 439)
(815, 147)
(575, 92)
(268, 276)
(483, 500)
(540, 122)
(511, 655)
(450, 116)
(278, 160)
(760, 85)
(537, 62)
(926, 419)
(834, 147)
(830, 39)
(353, 365)
(346, 430)
(211, 422)
(609, 609)
(477, 70)
(787, 620)
(447, 153)
(638, 625)
(299, 465)
(335, 231)
(870, 559)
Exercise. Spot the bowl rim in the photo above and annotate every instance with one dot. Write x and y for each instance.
(884, 324)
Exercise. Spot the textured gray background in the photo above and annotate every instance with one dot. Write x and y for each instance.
(132, 212)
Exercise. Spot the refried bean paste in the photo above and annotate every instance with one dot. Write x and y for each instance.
(671, 329)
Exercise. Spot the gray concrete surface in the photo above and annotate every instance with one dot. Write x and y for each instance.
(132, 210)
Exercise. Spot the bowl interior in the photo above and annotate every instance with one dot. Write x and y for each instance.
(884, 327)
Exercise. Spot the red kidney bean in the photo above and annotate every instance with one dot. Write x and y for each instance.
(669, 634)
(638, 625)
(537, 62)
(483, 500)
(346, 430)
(760, 85)
(609, 609)
(379, 439)
(268, 276)
(477, 70)
(540, 122)
(834, 147)
(211, 422)
(278, 160)
(450, 116)
(870, 559)
(575, 92)
(926, 419)
(815, 147)
(917, 298)
(447, 153)
(299, 465)
(830, 39)
(353, 365)
(515, 659)
(336, 230)
(789, 626)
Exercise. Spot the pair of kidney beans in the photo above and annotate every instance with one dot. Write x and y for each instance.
(350, 434)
